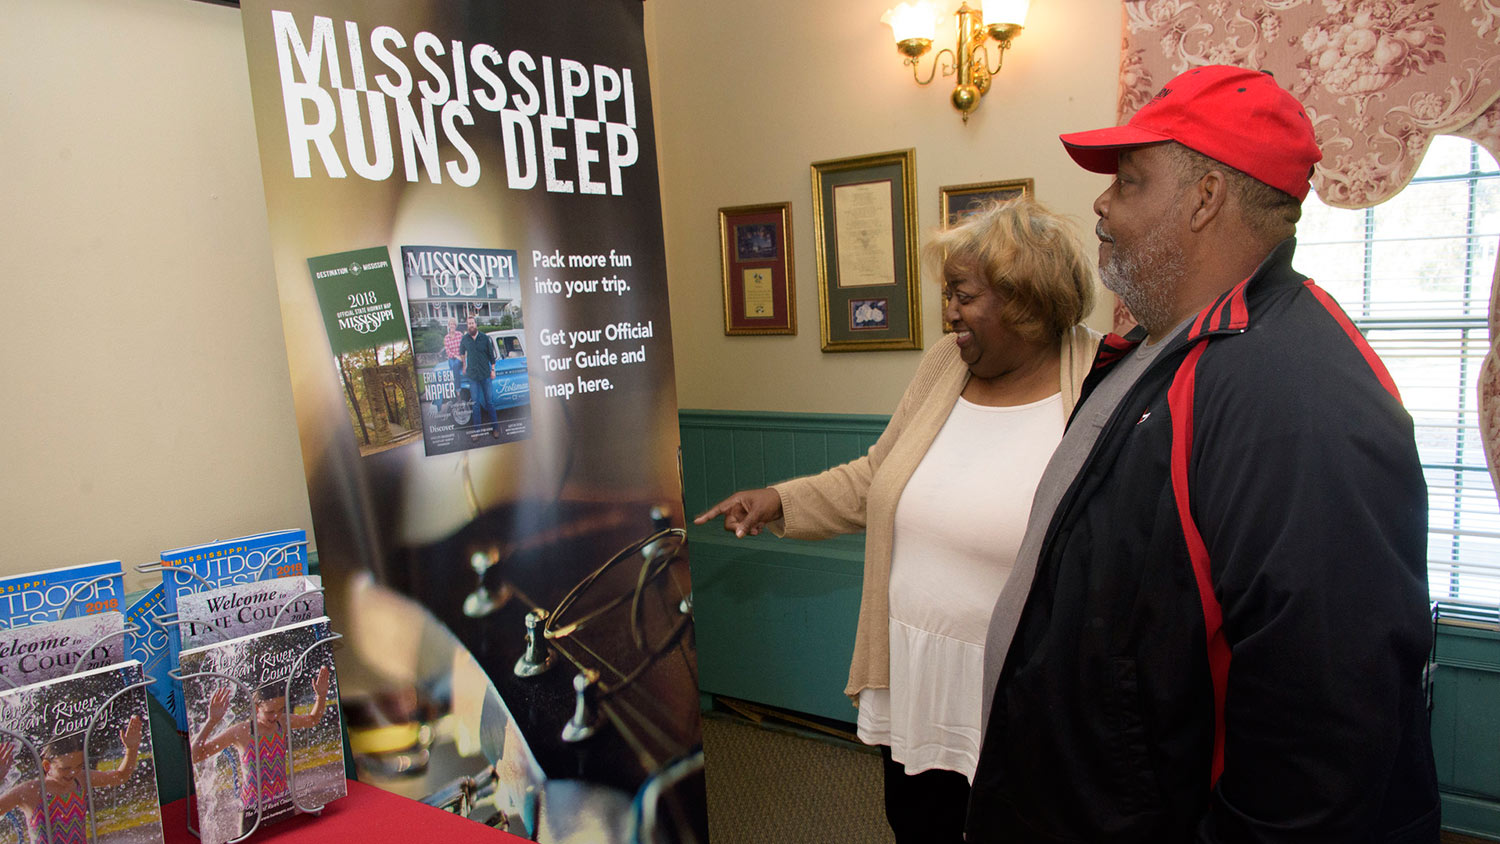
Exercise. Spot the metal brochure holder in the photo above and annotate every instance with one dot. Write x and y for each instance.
(291, 768)
(88, 767)
(291, 765)
(177, 675)
(167, 620)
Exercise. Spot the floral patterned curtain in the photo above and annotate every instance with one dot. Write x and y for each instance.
(1379, 79)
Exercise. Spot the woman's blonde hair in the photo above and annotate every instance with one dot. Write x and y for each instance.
(1030, 256)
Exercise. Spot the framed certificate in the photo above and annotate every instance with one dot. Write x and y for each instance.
(959, 201)
(865, 232)
(755, 246)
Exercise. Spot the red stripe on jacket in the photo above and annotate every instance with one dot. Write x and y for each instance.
(1180, 402)
(1358, 339)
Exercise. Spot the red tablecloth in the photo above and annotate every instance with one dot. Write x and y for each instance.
(367, 816)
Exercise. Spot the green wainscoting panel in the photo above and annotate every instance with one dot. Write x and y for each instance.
(774, 617)
(775, 625)
(1466, 728)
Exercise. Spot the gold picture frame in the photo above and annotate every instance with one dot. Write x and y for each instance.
(865, 234)
(755, 252)
(958, 201)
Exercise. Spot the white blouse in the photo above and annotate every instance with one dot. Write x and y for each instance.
(959, 524)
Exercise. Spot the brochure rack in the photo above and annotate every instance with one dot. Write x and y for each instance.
(291, 762)
(275, 556)
(88, 763)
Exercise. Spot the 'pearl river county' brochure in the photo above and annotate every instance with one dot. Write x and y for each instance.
(76, 737)
(268, 741)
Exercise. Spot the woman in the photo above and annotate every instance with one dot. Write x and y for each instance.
(943, 497)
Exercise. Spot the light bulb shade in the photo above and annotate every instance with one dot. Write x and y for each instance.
(912, 20)
(1005, 12)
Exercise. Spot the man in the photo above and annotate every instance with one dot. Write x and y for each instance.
(453, 352)
(479, 367)
(1220, 629)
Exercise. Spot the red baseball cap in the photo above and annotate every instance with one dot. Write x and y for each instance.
(1236, 116)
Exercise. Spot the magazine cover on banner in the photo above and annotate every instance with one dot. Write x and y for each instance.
(466, 222)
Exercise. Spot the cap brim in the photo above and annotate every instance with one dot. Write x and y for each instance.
(1098, 150)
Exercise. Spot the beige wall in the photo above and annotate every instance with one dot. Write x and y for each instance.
(749, 94)
(146, 399)
(146, 396)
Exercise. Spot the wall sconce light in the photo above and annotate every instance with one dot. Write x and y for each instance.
(914, 26)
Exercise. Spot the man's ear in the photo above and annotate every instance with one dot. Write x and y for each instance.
(1209, 196)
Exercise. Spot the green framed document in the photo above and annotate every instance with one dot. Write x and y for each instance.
(865, 232)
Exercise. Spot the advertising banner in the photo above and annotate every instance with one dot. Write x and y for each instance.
(486, 408)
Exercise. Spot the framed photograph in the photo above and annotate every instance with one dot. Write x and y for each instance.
(865, 233)
(755, 248)
(959, 201)
(869, 314)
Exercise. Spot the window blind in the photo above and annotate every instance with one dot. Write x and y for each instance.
(1414, 274)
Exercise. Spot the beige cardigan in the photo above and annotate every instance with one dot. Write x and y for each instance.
(862, 494)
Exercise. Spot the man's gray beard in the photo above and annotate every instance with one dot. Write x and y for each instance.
(1145, 277)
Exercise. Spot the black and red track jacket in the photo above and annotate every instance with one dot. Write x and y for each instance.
(1225, 638)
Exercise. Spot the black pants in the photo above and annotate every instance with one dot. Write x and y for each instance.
(925, 808)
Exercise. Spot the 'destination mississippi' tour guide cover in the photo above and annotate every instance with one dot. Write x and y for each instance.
(367, 330)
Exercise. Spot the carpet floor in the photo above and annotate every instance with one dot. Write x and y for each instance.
(771, 785)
